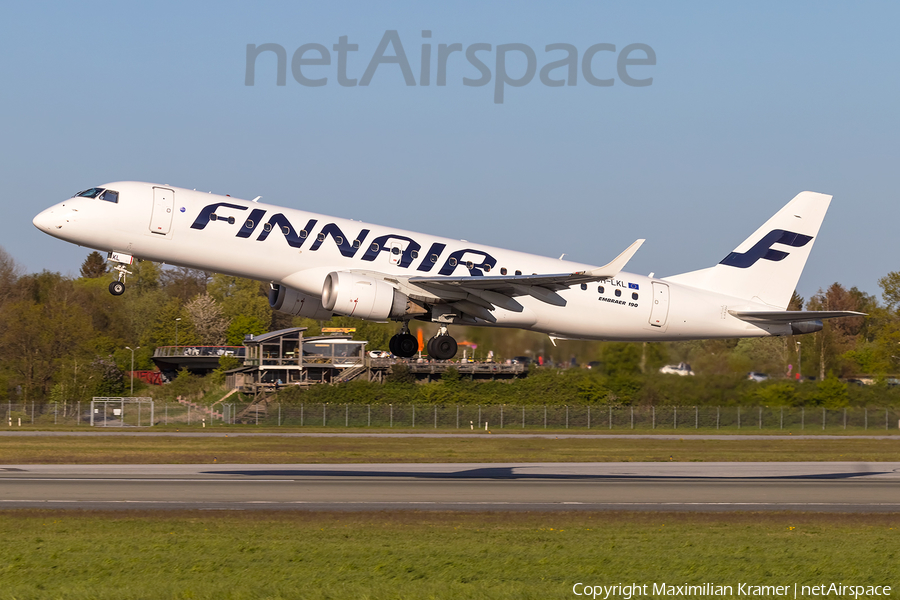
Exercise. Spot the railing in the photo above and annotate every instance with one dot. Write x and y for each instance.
(178, 351)
(599, 418)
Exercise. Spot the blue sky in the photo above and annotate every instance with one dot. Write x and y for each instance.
(749, 105)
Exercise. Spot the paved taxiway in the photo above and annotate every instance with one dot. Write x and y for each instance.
(820, 486)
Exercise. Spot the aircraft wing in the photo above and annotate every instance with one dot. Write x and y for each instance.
(791, 316)
(488, 291)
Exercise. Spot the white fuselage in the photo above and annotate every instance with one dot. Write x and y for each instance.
(298, 249)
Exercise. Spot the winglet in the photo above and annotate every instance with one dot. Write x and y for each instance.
(612, 268)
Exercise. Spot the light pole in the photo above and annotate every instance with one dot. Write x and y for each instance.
(132, 367)
(176, 331)
(799, 361)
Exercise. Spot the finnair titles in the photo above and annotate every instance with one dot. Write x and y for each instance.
(318, 266)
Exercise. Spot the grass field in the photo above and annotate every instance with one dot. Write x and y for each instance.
(413, 555)
(490, 448)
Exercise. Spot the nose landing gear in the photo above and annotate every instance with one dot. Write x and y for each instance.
(117, 287)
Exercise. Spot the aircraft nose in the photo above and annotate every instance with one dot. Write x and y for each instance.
(44, 220)
(54, 218)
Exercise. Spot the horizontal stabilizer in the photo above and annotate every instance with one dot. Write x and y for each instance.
(791, 316)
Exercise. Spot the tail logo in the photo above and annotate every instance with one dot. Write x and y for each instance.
(763, 249)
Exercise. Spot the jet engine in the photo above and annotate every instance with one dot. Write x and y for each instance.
(289, 300)
(362, 297)
(801, 327)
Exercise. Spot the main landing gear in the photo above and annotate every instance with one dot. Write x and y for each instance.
(117, 287)
(440, 347)
(404, 344)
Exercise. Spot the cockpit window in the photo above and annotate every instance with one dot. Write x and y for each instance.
(90, 193)
(101, 193)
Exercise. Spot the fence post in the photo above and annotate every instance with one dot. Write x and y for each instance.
(414, 415)
(696, 418)
(867, 418)
(369, 424)
(781, 426)
(545, 417)
(279, 414)
(885, 419)
(501, 416)
(392, 414)
(567, 416)
(760, 417)
(739, 417)
(435, 417)
(457, 416)
(632, 417)
(346, 415)
(55, 411)
(78, 414)
(523, 417)
(479, 416)
(323, 414)
(653, 412)
(717, 418)
(675, 417)
(823, 419)
(301, 414)
(802, 417)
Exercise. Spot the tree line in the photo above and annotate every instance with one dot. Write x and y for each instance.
(66, 338)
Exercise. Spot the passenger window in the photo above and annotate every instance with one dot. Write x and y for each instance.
(487, 268)
(618, 293)
(110, 196)
(356, 243)
(634, 296)
(414, 254)
(518, 272)
(339, 240)
(600, 288)
(470, 265)
(395, 250)
(434, 258)
(452, 262)
(302, 233)
(503, 270)
(321, 237)
(584, 286)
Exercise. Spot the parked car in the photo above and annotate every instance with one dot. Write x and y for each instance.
(379, 354)
(679, 369)
(755, 376)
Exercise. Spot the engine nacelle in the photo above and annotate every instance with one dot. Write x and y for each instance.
(362, 297)
(289, 300)
(801, 327)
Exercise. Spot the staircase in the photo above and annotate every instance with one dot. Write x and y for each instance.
(351, 373)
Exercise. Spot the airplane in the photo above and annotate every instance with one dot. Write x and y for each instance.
(318, 266)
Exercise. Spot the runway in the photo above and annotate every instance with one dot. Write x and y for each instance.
(825, 486)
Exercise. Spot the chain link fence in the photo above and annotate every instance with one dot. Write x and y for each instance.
(493, 417)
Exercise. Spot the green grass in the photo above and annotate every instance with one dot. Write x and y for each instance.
(137, 449)
(413, 555)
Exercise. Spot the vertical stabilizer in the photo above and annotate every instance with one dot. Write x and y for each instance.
(767, 265)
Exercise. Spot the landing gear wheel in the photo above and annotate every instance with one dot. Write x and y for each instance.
(442, 347)
(392, 345)
(404, 345)
(407, 345)
(116, 288)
